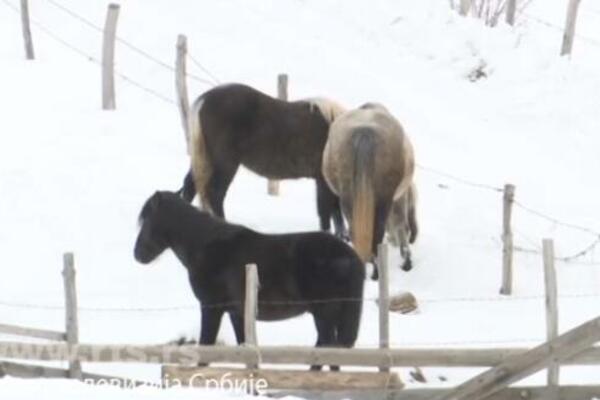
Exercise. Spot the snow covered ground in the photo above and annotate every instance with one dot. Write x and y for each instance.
(73, 177)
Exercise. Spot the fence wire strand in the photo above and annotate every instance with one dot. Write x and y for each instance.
(135, 48)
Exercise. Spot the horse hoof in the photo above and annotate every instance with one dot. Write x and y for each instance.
(375, 275)
(407, 266)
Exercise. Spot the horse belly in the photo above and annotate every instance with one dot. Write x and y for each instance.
(278, 312)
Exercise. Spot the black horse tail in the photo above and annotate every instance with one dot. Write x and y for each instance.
(201, 167)
(363, 196)
(412, 215)
(188, 190)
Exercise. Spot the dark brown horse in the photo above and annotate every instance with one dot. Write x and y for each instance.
(233, 125)
(368, 162)
(311, 272)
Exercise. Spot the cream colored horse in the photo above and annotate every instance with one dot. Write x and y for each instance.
(368, 162)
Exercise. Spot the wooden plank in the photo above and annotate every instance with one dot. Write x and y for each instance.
(108, 57)
(569, 33)
(33, 332)
(284, 379)
(282, 94)
(29, 371)
(28, 41)
(250, 309)
(518, 367)
(193, 354)
(507, 240)
(551, 305)
(181, 86)
(71, 319)
(514, 393)
(384, 301)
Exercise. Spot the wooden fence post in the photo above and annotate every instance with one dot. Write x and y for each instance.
(511, 9)
(384, 301)
(250, 309)
(517, 367)
(26, 30)
(551, 305)
(569, 33)
(465, 7)
(71, 319)
(181, 86)
(507, 240)
(108, 58)
(282, 94)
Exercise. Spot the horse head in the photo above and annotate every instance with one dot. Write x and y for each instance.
(151, 240)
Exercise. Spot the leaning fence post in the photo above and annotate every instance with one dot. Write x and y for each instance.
(569, 33)
(384, 301)
(282, 94)
(250, 309)
(26, 30)
(181, 86)
(511, 9)
(551, 305)
(108, 58)
(507, 240)
(71, 319)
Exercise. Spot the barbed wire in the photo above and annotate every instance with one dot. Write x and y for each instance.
(460, 180)
(464, 299)
(589, 40)
(92, 58)
(133, 47)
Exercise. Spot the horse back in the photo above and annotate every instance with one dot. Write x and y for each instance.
(273, 138)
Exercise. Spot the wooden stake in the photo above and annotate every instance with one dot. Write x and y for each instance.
(71, 320)
(282, 94)
(384, 301)
(250, 308)
(108, 58)
(465, 7)
(26, 30)
(511, 9)
(181, 86)
(507, 240)
(569, 34)
(551, 305)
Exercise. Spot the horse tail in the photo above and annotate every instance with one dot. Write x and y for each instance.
(363, 196)
(412, 215)
(201, 167)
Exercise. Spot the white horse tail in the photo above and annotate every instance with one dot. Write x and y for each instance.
(201, 167)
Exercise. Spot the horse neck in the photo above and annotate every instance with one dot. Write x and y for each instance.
(190, 232)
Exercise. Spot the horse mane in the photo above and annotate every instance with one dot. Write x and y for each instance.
(190, 217)
(329, 109)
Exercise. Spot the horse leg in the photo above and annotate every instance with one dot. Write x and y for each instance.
(325, 203)
(188, 190)
(338, 221)
(326, 330)
(404, 247)
(211, 321)
(381, 215)
(237, 321)
(219, 182)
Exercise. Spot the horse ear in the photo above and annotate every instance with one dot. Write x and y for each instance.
(156, 199)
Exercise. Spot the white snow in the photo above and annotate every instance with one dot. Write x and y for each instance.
(73, 177)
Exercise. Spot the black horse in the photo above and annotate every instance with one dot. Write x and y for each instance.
(303, 272)
(235, 124)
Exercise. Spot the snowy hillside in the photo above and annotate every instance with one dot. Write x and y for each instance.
(73, 177)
